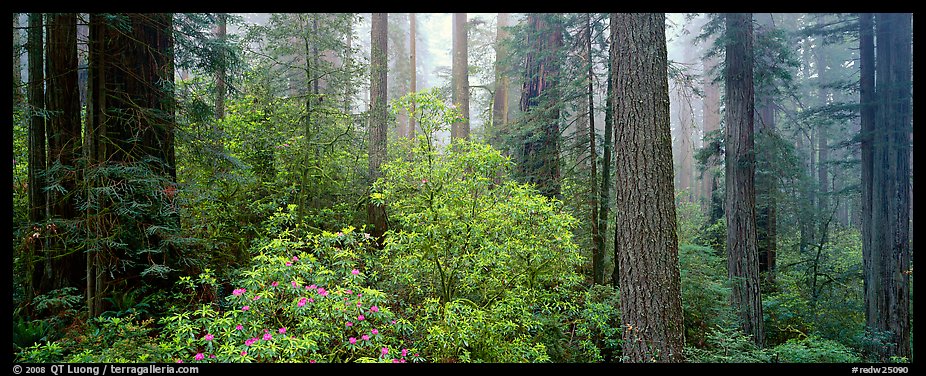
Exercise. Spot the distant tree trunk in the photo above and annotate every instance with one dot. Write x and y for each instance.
(37, 199)
(742, 254)
(18, 95)
(823, 179)
(539, 159)
(413, 65)
(376, 214)
(868, 107)
(887, 261)
(62, 102)
(500, 97)
(651, 305)
(38, 203)
(221, 30)
(597, 239)
(711, 107)
(460, 129)
(766, 183)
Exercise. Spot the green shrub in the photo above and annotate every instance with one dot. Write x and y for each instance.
(727, 345)
(300, 301)
(814, 350)
(705, 292)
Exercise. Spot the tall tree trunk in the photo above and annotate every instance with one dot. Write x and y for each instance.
(130, 121)
(38, 203)
(376, 214)
(220, 33)
(742, 254)
(597, 239)
(539, 159)
(64, 145)
(651, 305)
(823, 179)
(460, 129)
(500, 97)
(887, 261)
(18, 91)
(766, 182)
(711, 108)
(868, 108)
(413, 68)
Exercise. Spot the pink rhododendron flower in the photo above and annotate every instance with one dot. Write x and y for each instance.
(384, 350)
(199, 356)
(311, 360)
(358, 304)
(312, 287)
(365, 337)
(322, 292)
(301, 302)
(294, 284)
(374, 331)
(238, 292)
(244, 353)
(349, 291)
(239, 327)
(311, 300)
(212, 356)
(395, 360)
(245, 308)
(256, 297)
(360, 318)
(401, 360)
(404, 352)
(355, 272)
(282, 330)
(267, 336)
(275, 284)
(208, 337)
(352, 340)
(179, 360)
(374, 309)
(393, 322)
(349, 324)
(289, 263)
(295, 259)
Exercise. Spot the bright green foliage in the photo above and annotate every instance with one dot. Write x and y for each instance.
(471, 249)
(598, 326)
(705, 293)
(111, 340)
(814, 350)
(727, 345)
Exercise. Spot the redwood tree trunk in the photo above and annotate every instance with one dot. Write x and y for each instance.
(539, 160)
(376, 214)
(711, 121)
(500, 97)
(651, 306)
(597, 239)
(413, 68)
(38, 203)
(740, 202)
(460, 129)
(62, 101)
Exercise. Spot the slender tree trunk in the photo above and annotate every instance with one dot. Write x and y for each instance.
(539, 160)
(742, 254)
(18, 91)
(711, 107)
(460, 129)
(651, 305)
(376, 214)
(413, 67)
(38, 203)
(823, 179)
(500, 97)
(220, 33)
(868, 108)
(766, 182)
(597, 239)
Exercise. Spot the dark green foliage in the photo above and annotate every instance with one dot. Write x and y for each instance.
(814, 350)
